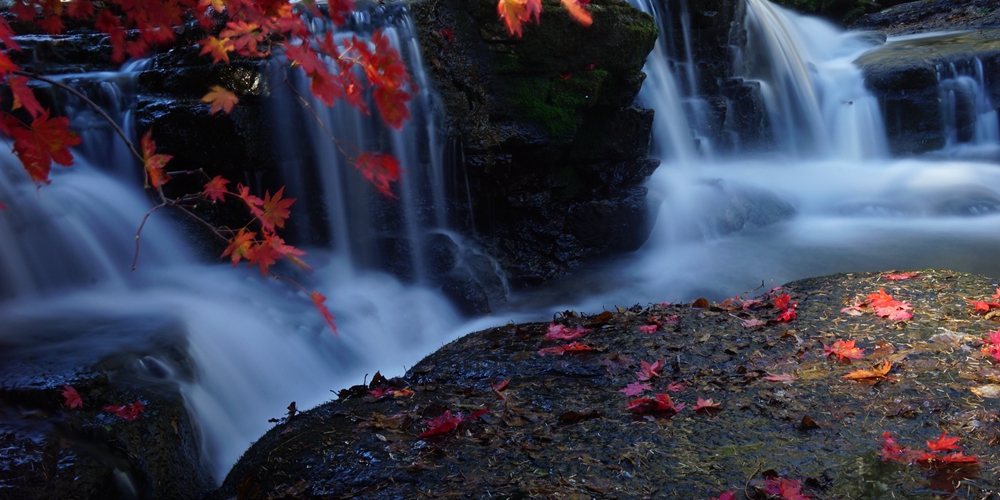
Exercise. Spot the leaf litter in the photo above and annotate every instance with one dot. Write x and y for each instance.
(797, 422)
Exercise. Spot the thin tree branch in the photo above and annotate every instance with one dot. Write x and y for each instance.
(97, 109)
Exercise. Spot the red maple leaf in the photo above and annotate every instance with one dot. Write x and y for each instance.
(24, 96)
(675, 387)
(648, 371)
(563, 349)
(785, 489)
(660, 404)
(318, 300)
(944, 443)
(215, 189)
(892, 451)
(844, 350)
(649, 328)
(380, 169)
(47, 140)
(901, 276)
(635, 388)
(560, 332)
(73, 399)
(447, 34)
(127, 412)
(447, 422)
(252, 202)
(706, 405)
(79, 9)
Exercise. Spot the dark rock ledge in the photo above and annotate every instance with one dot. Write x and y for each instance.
(560, 428)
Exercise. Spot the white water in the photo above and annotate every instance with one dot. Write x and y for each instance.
(65, 250)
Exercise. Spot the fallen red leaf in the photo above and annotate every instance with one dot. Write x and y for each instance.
(635, 388)
(560, 332)
(127, 412)
(786, 378)
(648, 371)
(559, 350)
(844, 350)
(706, 405)
(877, 372)
(73, 399)
(660, 404)
(901, 276)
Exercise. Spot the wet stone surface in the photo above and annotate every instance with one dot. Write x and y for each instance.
(560, 428)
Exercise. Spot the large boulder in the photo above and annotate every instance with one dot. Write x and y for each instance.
(490, 416)
(547, 127)
(907, 78)
(50, 450)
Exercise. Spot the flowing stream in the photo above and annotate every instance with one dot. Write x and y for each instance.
(827, 199)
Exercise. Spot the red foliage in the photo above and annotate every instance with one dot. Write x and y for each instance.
(844, 350)
(318, 300)
(448, 422)
(563, 349)
(649, 371)
(73, 399)
(660, 404)
(557, 331)
(785, 489)
(127, 412)
(380, 169)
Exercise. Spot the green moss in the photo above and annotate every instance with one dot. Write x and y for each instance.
(508, 63)
(556, 103)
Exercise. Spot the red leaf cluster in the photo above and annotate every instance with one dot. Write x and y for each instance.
(660, 404)
(937, 455)
(648, 371)
(380, 169)
(127, 412)
(516, 12)
(785, 305)
(448, 422)
(982, 306)
(883, 305)
(558, 331)
(559, 350)
(992, 345)
(785, 489)
(38, 145)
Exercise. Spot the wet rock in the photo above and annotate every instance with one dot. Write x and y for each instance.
(931, 15)
(51, 451)
(546, 124)
(907, 78)
(523, 425)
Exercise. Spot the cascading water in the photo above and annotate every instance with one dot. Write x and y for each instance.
(828, 199)
(65, 256)
(969, 115)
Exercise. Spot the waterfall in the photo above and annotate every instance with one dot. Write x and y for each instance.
(66, 252)
(673, 136)
(815, 97)
(969, 115)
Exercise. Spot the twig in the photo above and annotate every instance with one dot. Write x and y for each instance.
(97, 109)
(138, 233)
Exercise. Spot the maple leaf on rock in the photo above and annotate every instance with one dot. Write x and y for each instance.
(516, 12)
(73, 399)
(785, 489)
(649, 371)
(126, 412)
(220, 98)
(660, 404)
(649, 328)
(892, 451)
(877, 372)
(447, 422)
(563, 349)
(558, 331)
(901, 276)
(635, 388)
(944, 443)
(844, 350)
(706, 405)
(785, 378)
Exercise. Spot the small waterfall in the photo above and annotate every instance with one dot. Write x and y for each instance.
(673, 135)
(815, 97)
(969, 116)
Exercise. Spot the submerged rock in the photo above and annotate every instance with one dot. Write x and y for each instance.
(51, 451)
(931, 15)
(491, 416)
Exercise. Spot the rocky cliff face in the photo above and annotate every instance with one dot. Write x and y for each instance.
(554, 148)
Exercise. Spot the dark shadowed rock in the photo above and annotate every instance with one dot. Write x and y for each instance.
(49, 451)
(931, 15)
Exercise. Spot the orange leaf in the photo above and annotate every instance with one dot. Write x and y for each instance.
(239, 245)
(220, 98)
(577, 12)
(844, 350)
(318, 300)
(47, 140)
(154, 163)
(516, 12)
(785, 378)
(275, 210)
(876, 372)
(219, 49)
(944, 443)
